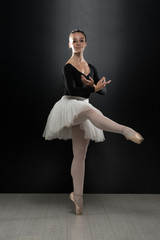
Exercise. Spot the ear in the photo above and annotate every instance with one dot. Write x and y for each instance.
(69, 45)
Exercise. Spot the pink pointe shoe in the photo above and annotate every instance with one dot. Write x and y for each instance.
(79, 210)
(136, 138)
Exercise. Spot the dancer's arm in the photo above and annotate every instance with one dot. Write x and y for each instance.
(96, 78)
(70, 84)
(99, 84)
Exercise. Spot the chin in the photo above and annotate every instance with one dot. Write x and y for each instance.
(79, 51)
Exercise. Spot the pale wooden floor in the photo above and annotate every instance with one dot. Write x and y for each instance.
(106, 217)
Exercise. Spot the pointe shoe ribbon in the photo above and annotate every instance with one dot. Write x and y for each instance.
(136, 138)
(79, 209)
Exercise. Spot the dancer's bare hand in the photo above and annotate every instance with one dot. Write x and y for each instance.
(101, 84)
(90, 83)
(87, 82)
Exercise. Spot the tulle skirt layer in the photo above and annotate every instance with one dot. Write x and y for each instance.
(62, 115)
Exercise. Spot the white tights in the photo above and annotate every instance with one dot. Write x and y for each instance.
(80, 145)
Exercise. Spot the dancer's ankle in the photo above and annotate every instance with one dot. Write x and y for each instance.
(128, 132)
(79, 199)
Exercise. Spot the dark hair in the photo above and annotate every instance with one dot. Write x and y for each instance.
(80, 31)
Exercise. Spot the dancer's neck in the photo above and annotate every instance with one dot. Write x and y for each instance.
(77, 58)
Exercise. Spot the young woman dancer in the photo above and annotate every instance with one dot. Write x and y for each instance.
(73, 117)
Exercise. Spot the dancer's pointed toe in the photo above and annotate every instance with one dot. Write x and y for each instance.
(79, 210)
(136, 138)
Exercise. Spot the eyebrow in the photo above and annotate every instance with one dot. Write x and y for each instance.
(76, 38)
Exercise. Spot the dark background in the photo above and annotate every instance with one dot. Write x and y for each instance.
(123, 44)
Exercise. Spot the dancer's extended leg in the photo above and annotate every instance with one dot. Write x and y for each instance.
(80, 146)
(104, 123)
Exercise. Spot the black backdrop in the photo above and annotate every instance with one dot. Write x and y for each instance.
(123, 44)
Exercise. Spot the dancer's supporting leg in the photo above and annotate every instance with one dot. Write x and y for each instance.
(106, 124)
(80, 146)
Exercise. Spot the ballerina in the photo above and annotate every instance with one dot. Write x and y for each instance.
(73, 117)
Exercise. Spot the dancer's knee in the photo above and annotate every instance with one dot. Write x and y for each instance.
(90, 112)
(80, 150)
(83, 116)
(80, 153)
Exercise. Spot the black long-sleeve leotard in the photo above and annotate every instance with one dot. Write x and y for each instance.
(74, 85)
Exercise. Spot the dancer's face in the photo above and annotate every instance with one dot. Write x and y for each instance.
(77, 42)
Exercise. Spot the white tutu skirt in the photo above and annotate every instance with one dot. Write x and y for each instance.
(60, 120)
